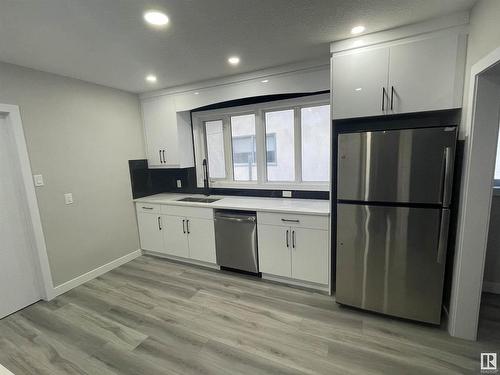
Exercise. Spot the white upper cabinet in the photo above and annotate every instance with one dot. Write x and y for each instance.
(415, 74)
(167, 134)
(423, 75)
(359, 83)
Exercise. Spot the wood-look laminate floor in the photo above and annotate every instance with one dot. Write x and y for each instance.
(152, 316)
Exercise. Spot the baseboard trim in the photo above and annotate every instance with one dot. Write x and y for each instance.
(63, 288)
(187, 261)
(297, 283)
(491, 287)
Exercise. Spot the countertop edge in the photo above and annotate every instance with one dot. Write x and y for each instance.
(218, 206)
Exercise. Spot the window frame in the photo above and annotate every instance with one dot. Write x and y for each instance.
(224, 114)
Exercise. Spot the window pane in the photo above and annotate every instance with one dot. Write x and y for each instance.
(315, 123)
(280, 145)
(215, 149)
(243, 139)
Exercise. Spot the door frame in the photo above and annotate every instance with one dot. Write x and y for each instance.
(13, 118)
(481, 128)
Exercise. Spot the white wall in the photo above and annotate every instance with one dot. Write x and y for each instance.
(80, 137)
(484, 37)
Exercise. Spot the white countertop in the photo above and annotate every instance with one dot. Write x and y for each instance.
(285, 205)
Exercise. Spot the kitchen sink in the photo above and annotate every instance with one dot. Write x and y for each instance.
(198, 200)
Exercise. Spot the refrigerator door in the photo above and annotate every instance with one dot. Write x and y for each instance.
(399, 166)
(391, 259)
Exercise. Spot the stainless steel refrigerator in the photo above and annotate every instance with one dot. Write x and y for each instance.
(393, 197)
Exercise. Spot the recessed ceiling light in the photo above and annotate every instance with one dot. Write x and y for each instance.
(233, 60)
(358, 89)
(357, 29)
(151, 78)
(196, 93)
(156, 18)
(265, 81)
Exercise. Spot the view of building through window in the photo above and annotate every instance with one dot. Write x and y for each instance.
(215, 149)
(244, 148)
(315, 127)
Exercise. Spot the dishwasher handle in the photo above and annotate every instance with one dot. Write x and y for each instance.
(239, 219)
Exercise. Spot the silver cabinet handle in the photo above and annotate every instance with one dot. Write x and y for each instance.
(159, 153)
(187, 226)
(392, 97)
(147, 208)
(293, 239)
(448, 177)
(286, 238)
(443, 236)
(183, 228)
(291, 220)
(383, 98)
(159, 222)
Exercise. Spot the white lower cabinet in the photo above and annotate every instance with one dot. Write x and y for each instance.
(201, 239)
(150, 231)
(190, 237)
(275, 257)
(174, 236)
(310, 255)
(292, 251)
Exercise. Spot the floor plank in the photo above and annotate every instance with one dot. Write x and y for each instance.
(152, 316)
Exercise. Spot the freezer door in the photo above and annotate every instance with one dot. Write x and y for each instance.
(405, 166)
(389, 259)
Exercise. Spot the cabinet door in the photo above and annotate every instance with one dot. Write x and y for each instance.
(201, 239)
(274, 250)
(358, 80)
(149, 231)
(310, 255)
(174, 236)
(160, 130)
(424, 74)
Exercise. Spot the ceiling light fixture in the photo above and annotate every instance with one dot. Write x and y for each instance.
(156, 18)
(233, 60)
(265, 81)
(197, 93)
(357, 29)
(151, 78)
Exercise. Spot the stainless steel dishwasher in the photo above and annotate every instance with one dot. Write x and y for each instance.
(236, 240)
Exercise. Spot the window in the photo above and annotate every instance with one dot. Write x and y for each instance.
(276, 145)
(315, 127)
(215, 149)
(281, 124)
(244, 148)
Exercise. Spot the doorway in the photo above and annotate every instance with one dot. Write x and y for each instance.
(22, 276)
(481, 135)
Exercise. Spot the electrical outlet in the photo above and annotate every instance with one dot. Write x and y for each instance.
(38, 178)
(68, 198)
(179, 183)
(286, 193)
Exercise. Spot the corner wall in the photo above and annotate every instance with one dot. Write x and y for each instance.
(80, 137)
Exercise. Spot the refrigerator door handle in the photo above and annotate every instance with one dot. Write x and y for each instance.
(448, 177)
(443, 236)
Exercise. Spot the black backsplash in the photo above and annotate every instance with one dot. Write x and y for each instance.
(147, 181)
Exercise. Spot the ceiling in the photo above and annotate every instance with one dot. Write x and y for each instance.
(107, 42)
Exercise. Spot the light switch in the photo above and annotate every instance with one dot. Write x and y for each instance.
(38, 178)
(179, 183)
(68, 198)
(286, 194)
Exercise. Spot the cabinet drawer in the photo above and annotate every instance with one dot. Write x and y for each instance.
(148, 208)
(186, 211)
(301, 221)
